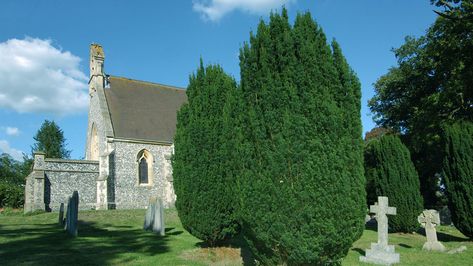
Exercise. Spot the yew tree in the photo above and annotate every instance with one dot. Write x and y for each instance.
(301, 190)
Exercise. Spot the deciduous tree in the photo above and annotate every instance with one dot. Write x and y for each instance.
(430, 86)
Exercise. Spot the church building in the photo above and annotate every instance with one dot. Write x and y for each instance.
(131, 126)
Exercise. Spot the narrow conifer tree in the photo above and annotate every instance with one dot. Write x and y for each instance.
(50, 140)
(349, 99)
(302, 188)
(202, 167)
(388, 167)
(458, 174)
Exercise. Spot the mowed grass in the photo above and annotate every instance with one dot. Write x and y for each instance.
(116, 237)
(409, 246)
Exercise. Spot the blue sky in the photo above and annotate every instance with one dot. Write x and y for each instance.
(44, 48)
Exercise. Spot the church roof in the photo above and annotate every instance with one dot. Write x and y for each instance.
(143, 110)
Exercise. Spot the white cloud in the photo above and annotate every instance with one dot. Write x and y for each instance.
(14, 153)
(35, 76)
(214, 10)
(12, 131)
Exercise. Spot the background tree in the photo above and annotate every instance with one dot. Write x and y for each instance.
(458, 173)
(455, 9)
(10, 170)
(430, 86)
(376, 132)
(12, 179)
(302, 190)
(50, 140)
(204, 181)
(390, 172)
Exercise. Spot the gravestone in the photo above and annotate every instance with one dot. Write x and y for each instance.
(429, 219)
(72, 213)
(61, 214)
(381, 252)
(154, 218)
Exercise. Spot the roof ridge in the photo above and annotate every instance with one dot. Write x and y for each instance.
(149, 82)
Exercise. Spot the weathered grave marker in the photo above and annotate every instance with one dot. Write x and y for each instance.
(61, 214)
(429, 219)
(381, 252)
(154, 218)
(72, 214)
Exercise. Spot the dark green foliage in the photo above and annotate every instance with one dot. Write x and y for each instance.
(430, 86)
(390, 172)
(11, 171)
(302, 188)
(461, 10)
(458, 174)
(11, 195)
(12, 178)
(50, 140)
(204, 181)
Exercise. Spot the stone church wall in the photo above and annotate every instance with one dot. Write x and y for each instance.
(52, 181)
(62, 177)
(126, 191)
(96, 118)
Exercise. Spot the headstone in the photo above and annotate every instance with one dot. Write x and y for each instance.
(381, 252)
(72, 213)
(68, 200)
(61, 214)
(429, 219)
(154, 218)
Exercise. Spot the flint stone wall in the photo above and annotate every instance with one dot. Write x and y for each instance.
(124, 188)
(62, 177)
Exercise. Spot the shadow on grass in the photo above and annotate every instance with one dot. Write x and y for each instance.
(359, 250)
(371, 225)
(237, 242)
(444, 237)
(49, 244)
(405, 245)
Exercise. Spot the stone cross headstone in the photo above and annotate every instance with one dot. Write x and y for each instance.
(61, 214)
(154, 218)
(381, 252)
(429, 219)
(72, 213)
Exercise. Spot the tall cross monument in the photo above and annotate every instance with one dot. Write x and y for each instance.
(381, 252)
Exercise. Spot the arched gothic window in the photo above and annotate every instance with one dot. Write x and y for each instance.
(145, 167)
(143, 171)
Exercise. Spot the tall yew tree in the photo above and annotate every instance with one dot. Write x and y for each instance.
(458, 174)
(302, 190)
(391, 173)
(202, 164)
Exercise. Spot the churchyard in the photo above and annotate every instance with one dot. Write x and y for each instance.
(117, 237)
(269, 169)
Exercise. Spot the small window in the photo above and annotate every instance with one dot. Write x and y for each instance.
(143, 171)
(145, 167)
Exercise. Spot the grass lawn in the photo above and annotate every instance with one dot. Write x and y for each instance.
(116, 237)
